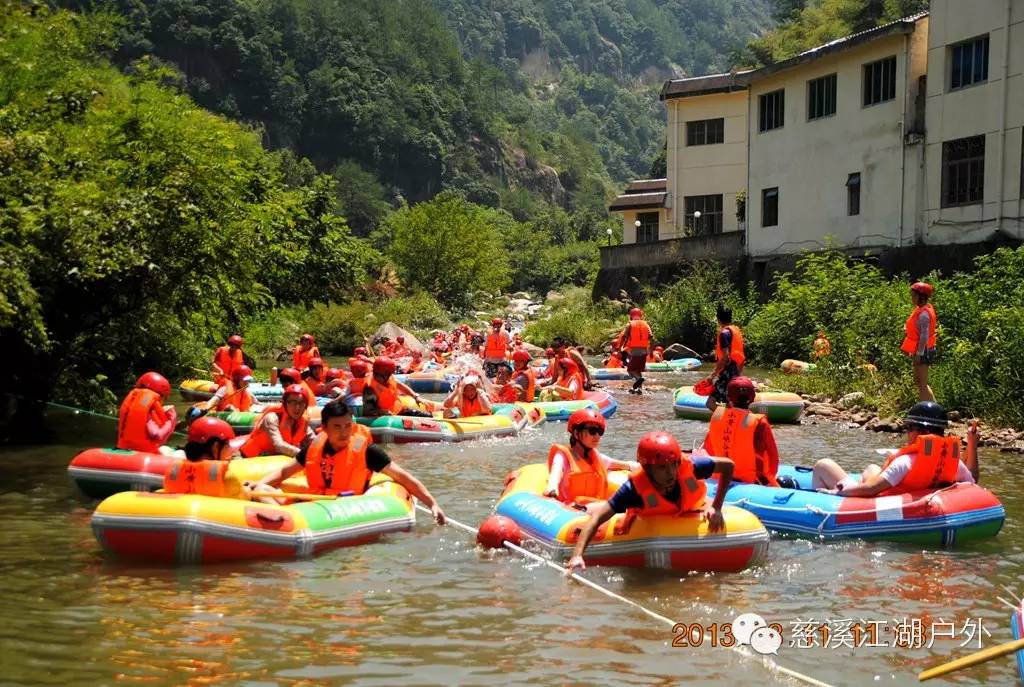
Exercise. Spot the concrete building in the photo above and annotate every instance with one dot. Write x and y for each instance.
(902, 136)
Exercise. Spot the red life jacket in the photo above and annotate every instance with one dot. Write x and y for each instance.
(735, 348)
(204, 477)
(587, 480)
(731, 434)
(638, 334)
(934, 463)
(259, 441)
(138, 407)
(239, 399)
(342, 471)
(227, 362)
(468, 408)
(530, 388)
(912, 340)
(691, 489)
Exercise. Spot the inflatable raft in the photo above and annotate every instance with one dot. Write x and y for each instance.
(796, 367)
(677, 365)
(1017, 626)
(191, 529)
(780, 406)
(945, 517)
(680, 543)
(609, 374)
(194, 390)
(559, 411)
(430, 382)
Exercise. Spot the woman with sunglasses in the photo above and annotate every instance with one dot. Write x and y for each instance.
(578, 473)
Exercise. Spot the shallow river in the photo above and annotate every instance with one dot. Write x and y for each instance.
(428, 607)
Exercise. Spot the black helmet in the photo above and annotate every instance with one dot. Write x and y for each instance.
(927, 414)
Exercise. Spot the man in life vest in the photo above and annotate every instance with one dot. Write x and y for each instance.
(382, 395)
(342, 459)
(234, 395)
(226, 359)
(524, 376)
(919, 340)
(729, 357)
(144, 423)
(578, 473)
(315, 376)
(204, 470)
(305, 351)
(822, 347)
(930, 460)
(496, 346)
(667, 483)
(636, 341)
(360, 376)
(467, 400)
(281, 429)
(549, 369)
(744, 437)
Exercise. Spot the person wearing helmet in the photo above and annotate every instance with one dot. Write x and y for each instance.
(281, 429)
(415, 363)
(467, 399)
(635, 341)
(744, 437)
(291, 375)
(919, 341)
(382, 395)
(614, 361)
(564, 350)
(227, 358)
(505, 391)
(343, 458)
(335, 383)
(668, 482)
(360, 376)
(315, 376)
(204, 469)
(930, 460)
(523, 376)
(822, 348)
(305, 351)
(234, 395)
(399, 349)
(496, 347)
(578, 473)
(568, 386)
(729, 357)
(144, 423)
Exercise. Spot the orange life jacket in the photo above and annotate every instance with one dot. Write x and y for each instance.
(822, 347)
(731, 434)
(566, 381)
(414, 365)
(468, 408)
(587, 480)
(691, 489)
(638, 334)
(312, 385)
(614, 361)
(934, 463)
(735, 348)
(388, 399)
(343, 471)
(356, 386)
(227, 362)
(259, 440)
(911, 340)
(138, 407)
(301, 358)
(496, 345)
(203, 477)
(531, 382)
(239, 399)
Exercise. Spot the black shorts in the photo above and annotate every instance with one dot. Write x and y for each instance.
(722, 383)
(928, 357)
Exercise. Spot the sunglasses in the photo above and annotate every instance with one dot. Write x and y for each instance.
(593, 430)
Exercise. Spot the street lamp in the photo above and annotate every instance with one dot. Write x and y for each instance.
(609, 232)
(636, 238)
(696, 221)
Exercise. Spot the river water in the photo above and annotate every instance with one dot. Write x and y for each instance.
(428, 607)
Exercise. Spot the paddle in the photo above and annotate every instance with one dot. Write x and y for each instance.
(972, 660)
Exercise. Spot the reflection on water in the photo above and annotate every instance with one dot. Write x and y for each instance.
(428, 607)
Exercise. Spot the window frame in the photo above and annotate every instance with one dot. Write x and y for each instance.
(866, 82)
(773, 192)
(853, 199)
(834, 79)
(968, 165)
(645, 226)
(700, 226)
(704, 127)
(779, 93)
(951, 58)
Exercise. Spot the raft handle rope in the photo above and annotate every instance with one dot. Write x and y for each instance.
(94, 414)
(768, 663)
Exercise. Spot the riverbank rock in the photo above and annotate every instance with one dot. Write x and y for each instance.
(554, 296)
(393, 331)
(678, 350)
(852, 400)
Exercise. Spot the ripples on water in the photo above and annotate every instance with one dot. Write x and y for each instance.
(428, 608)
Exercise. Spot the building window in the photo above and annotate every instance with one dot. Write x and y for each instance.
(770, 207)
(703, 132)
(710, 220)
(968, 63)
(772, 110)
(853, 194)
(963, 171)
(647, 232)
(880, 81)
(821, 97)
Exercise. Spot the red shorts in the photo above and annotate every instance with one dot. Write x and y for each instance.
(637, 364)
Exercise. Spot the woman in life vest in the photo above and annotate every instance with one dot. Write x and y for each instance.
(636, 343)
(342, 459)
(930, 460)
(666, 483)
(204, 470)
(569, 384)
(821, 348)
(496, 347)
(919, 340)
(523, 376)
(305, 351)
(578, 473)
(234, 395)
(315, 376)
(226, 359)
(504, 390)
(729, 357)
(281, 429)
(744, 437)
(467, 400)
(144, 423)
(382, 394)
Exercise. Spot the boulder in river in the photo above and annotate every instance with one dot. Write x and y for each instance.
(393, 331)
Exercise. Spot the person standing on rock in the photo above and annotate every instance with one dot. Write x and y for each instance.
(729, 357)
(919, 342)
(636, 340)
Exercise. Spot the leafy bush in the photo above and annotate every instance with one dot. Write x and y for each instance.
(578, 319)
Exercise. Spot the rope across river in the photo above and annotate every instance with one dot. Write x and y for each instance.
(768, 663)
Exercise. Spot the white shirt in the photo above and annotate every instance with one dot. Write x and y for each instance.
(898, 469)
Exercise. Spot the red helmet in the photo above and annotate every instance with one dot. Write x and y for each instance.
(658, 448)
(235, 340)
(550, 353)
(659, 348)
(240, 373)
(384, 366)
(306, 338)
(740, 391)
(316, 362)
(358, 367)
(417, 353)
(496, 322)
(585, 416)
(334, 373)
(291, 373)
(400, 339)
(636, 314)
(568, 365)
(923, 288)
(293, 390)
(206, 428)
(360, 351)
(521, 355)
(154, 381)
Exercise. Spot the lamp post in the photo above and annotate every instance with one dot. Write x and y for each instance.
(636, 238)
(696, 221)
(609, 232)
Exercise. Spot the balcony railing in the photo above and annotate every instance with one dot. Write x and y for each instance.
(725, 246)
